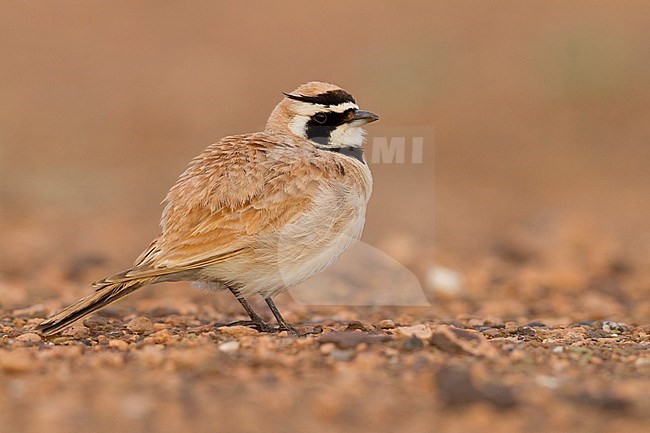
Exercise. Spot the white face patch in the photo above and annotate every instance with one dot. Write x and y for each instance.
(347, 135)
(298, 125)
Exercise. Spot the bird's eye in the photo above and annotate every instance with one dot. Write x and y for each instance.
(320, 118)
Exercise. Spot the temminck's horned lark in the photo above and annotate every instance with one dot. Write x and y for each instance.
(258, 213)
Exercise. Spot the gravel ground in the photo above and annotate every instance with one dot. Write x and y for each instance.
(181, 373)
(475, 360)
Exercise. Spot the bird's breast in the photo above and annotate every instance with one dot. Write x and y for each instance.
(332, 223)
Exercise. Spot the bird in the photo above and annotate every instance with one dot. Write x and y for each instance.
(257, 213)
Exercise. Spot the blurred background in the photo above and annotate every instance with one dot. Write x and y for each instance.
(531, 201)
(539, 115)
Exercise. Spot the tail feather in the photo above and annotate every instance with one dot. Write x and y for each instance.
(107, 291)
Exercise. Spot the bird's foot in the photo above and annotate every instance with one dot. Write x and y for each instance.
(265, 327)
(257, 325)
(291, 330)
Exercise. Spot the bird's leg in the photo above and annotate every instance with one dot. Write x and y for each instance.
(256, 321)
(283, 324)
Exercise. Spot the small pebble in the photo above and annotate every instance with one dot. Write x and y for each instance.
(491, 332)
(356, 326)
(162, 337)
(140, 325)
(327, 348)
(237, 331)
(455, 340)
(386, 324)
(29, 338)
(342, 355)
(159, 326)
(527, 330)
(512, 328)
(612, 327)
(229, 346)
(119, 344)
(420, 331)
(97, 323)
(77, 331)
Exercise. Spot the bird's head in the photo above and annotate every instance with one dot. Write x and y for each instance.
(322, 113)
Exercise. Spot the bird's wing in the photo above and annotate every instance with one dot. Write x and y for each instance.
(237, 188)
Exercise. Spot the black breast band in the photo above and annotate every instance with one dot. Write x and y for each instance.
(354, 152)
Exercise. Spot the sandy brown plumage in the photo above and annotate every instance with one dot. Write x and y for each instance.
(256, 213)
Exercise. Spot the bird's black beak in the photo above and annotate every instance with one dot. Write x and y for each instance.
(361, 117)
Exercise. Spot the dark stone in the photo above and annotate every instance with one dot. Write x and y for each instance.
(465, 335)
(528, 331)
(536, 324)
(606, 401)
(499, 396)
(356, 325)
(413, 344)
(583, 323)
(456, 387)
(442, 342)
(96, 323)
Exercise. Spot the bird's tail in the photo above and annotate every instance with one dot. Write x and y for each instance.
(107, 291)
